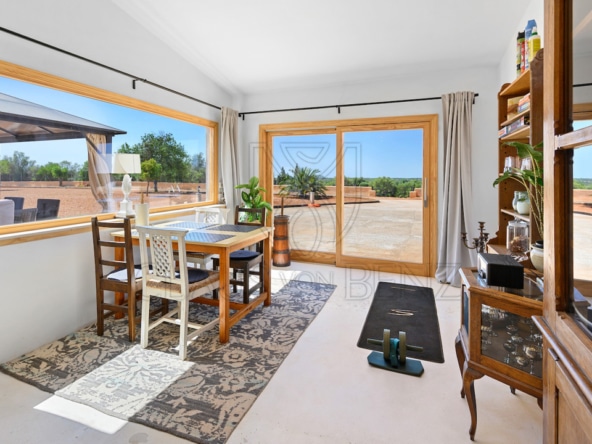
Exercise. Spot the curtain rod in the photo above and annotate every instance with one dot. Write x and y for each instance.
(133, 77)
(340, 106)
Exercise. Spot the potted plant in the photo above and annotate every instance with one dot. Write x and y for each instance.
(252, 197)
(530, 175)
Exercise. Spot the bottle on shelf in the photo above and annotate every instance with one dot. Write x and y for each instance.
(527, 34)
(520, 53)
(534, 44)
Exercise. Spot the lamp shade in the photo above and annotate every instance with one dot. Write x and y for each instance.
(126, 164)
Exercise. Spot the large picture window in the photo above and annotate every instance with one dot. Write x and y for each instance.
(59, 147)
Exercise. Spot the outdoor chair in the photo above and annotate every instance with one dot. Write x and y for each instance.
(25, 215)
(161, 278)
(206, 216)
(19, 202)
(245, 260)
(47, 208)
(6, 211)
(116, 275)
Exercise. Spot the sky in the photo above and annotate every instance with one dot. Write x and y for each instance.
(368, 154)
(135, 123)
(582, 156)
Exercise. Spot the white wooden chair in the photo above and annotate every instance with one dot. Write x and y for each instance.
(161, 278)
(206, 215)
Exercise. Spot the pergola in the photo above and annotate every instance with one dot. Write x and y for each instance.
(24, 121)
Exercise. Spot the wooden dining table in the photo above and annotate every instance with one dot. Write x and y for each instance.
(223, 239)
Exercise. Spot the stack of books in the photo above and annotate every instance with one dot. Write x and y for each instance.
(524, 103)
(514, 126)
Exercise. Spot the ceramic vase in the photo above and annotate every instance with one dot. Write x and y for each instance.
(523, 206)
(537, 256)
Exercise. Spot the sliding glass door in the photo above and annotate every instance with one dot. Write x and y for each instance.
(358, 193)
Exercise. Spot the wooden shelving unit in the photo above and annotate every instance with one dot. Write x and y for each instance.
(531, 81)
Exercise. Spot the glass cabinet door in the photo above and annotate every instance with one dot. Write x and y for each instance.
(512, 339)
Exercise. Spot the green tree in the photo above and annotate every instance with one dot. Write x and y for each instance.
(305, 181)
(384, 186)
(151, 171)
(282, 177)
(82, 173)
(198, 168)
(167, 152)
(4, 167)
(20, 165)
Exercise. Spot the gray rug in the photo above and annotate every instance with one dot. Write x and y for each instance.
(201, 399)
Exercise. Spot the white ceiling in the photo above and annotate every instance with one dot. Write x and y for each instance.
(256, 46)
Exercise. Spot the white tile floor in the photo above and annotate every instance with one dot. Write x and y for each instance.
(324, 392)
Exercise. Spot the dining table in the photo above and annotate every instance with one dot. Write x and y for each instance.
(223, 239)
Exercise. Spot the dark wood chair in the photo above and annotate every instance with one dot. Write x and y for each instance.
(118, 276)
(244, 261)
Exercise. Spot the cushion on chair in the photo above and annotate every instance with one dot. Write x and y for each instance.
(244, 255)
(196, 275)
(121, 275)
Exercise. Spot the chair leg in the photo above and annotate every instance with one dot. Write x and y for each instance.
(234, 273)
(131, 316)
(184, 319)
(246, 285)
(145, 323)
(100, 313)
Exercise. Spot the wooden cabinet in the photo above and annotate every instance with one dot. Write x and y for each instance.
(567, 344)
(530, 82)
(498, 338)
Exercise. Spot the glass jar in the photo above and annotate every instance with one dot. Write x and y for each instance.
(517, 238)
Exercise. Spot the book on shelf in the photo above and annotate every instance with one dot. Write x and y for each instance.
(514, 126)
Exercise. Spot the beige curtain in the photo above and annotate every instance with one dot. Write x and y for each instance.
(229, 158)
(457, 205)
(98, 169)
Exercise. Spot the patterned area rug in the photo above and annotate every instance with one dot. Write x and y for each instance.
(201, 399)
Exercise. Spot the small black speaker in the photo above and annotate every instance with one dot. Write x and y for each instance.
(501, 270)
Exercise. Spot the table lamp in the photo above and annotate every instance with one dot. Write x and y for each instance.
(126, 164)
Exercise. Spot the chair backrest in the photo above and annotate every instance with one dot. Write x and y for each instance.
(6, 211)
(47, 208)
(19, 202)
(105, 250)
(211, 215)
(249, 216)
(25, 215)
(160, 248)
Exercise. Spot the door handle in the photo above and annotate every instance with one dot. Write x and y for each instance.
(425, 192)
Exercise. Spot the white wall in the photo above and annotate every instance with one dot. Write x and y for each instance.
(536, 11)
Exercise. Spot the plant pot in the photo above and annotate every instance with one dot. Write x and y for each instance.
(537, 256)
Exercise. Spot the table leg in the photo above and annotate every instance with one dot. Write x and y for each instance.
(267, 252)
(460, 357)
(469, 376)
(224, 296)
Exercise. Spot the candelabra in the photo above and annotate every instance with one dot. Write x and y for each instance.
(478, 242)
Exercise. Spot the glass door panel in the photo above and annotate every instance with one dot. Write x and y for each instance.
(305, 166)
(383, 212)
